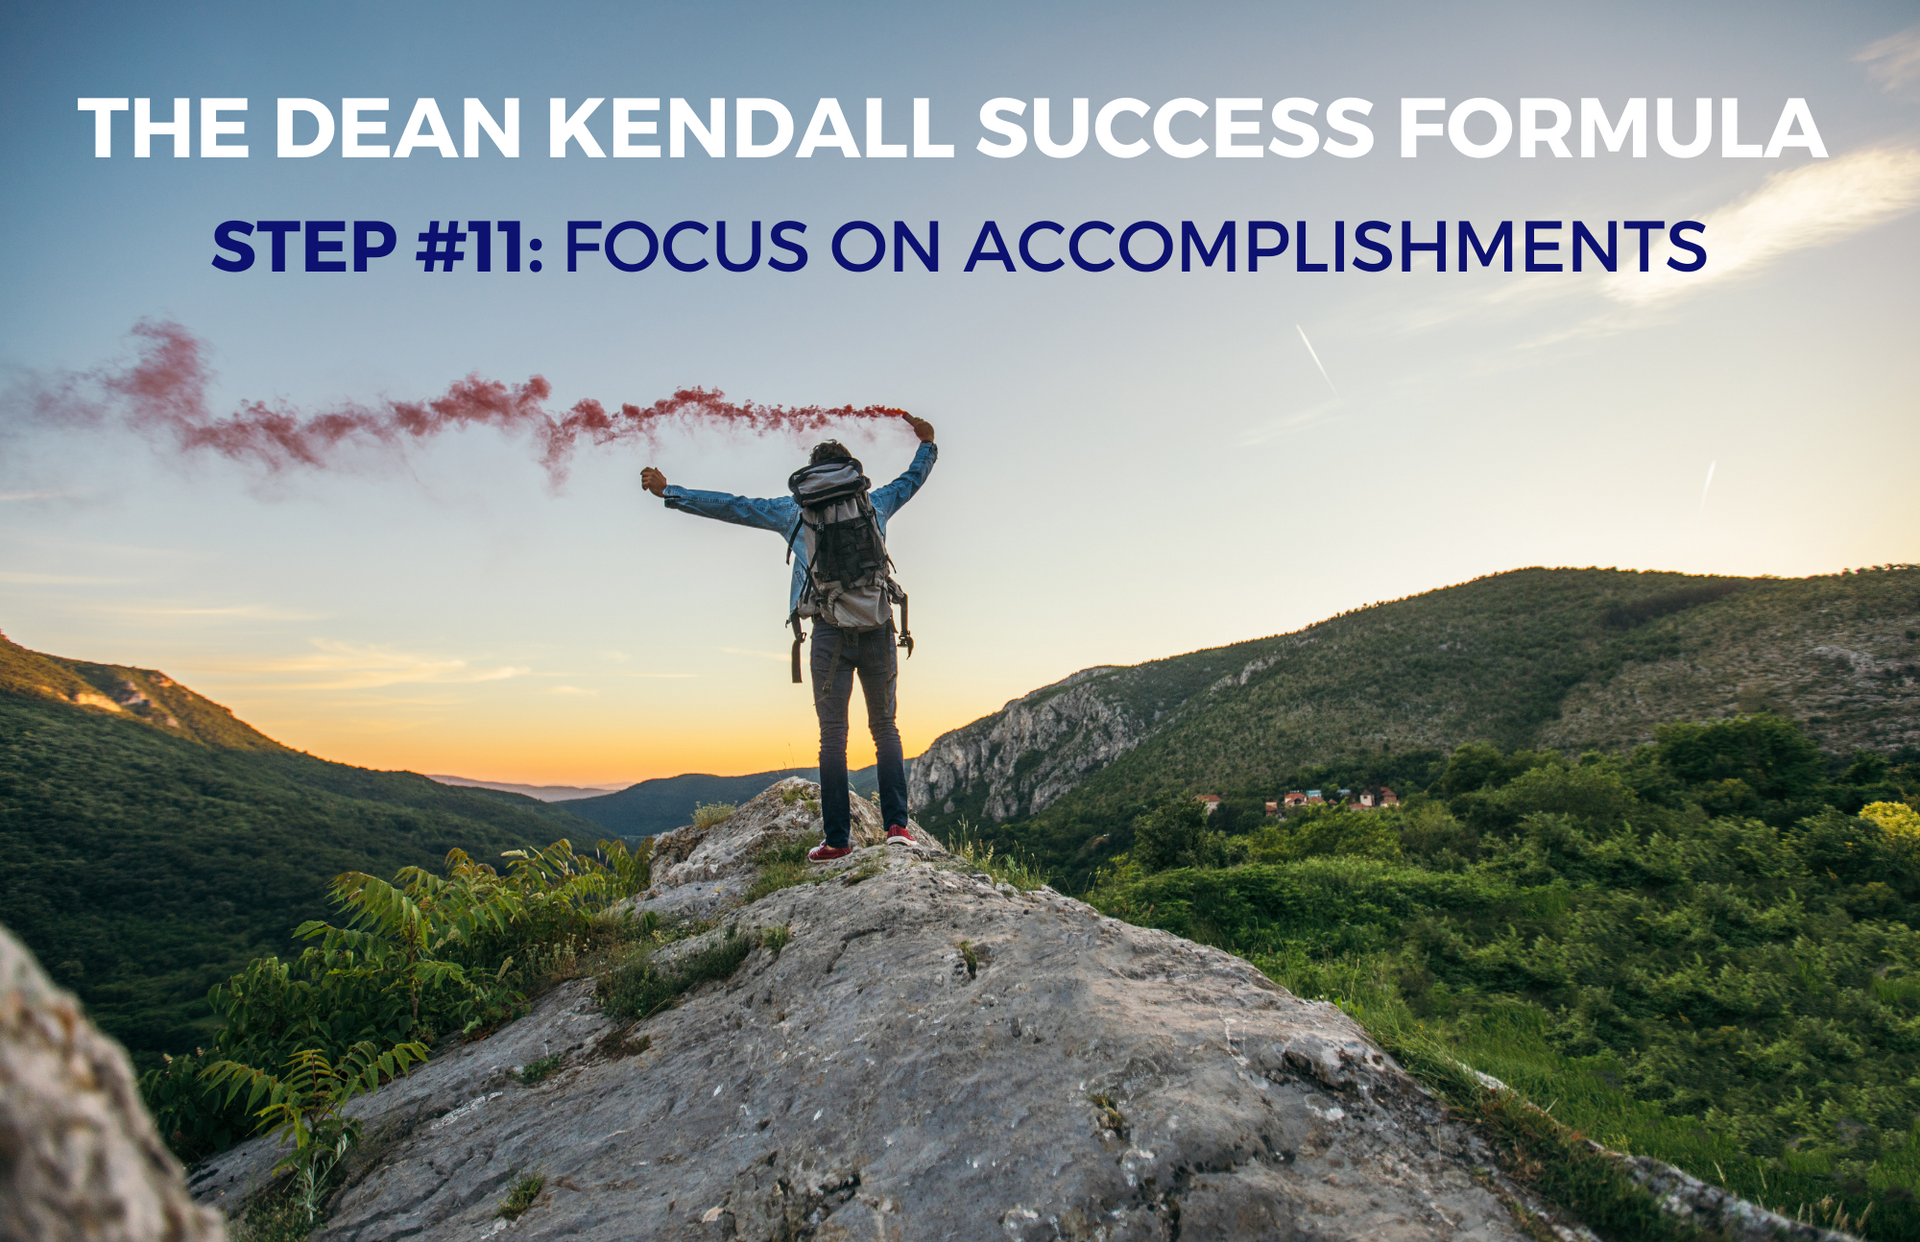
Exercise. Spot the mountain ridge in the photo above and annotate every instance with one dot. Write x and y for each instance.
(142, 694)
(1569, 658)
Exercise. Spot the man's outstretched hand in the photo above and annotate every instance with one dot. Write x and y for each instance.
(921, 427)
(656, 482)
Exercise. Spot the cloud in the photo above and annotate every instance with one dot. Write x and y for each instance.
(243, 612)
(572, 690)
(55, 495)
(1814, 205)
(350, 666)
(764, 655)
(58, 580)
(1893, 61)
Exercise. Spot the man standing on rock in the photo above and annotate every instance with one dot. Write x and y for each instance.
(837, 653)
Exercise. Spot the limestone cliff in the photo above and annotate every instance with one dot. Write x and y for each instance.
(1020, 759)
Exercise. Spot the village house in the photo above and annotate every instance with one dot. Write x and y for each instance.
(1210, 801)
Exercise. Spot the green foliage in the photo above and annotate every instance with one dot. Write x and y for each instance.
(538, 1070)
(1328, 832)
(1011, 867)
(783, 866)
(190, 1118)
(774, 939)
(304, 1105)
(1733, 994)
(638, 988)
(706, 815)
(1772, 756)
(522, 1196)
(415, 957)
(1171, 834)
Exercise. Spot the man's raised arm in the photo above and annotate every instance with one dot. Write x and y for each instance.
(887, 500)
(775, 514)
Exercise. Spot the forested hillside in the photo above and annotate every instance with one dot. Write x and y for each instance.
(1572, 659)
(146, 860)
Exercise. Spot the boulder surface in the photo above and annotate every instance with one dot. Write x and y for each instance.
(79, 1157)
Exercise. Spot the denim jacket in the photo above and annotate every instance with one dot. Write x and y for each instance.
(781, 514)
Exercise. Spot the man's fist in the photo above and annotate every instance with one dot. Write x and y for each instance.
(656, 482)
(921, 427)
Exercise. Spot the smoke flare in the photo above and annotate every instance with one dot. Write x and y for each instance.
(164, 390)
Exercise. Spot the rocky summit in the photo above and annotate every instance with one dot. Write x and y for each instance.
(928, 1055)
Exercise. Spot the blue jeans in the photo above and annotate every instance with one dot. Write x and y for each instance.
(837, 656)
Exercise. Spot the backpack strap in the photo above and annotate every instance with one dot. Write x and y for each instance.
(798, 638)
(906, 632)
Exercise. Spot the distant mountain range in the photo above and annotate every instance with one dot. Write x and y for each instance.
(540, 793)
(1573, 659)
(666, 803)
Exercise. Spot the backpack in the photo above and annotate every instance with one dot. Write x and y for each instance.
(849, 584)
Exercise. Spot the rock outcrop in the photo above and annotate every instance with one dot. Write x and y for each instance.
(927, 1055)
(1022, 758)
(79, 1157)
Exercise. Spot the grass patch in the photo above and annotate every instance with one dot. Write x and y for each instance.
(706, 815)
(774, 939)
(538, 1071)
(274, 1216)
(783, 866)
(1013, 868)
(1111, 1117)
(640, 989)
(522, 1196)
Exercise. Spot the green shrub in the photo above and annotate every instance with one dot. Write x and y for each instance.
(409, 960)
(1171, 834)
(1328, 832)
(523, 1195)
(639, 989)
(538, 1070)
(706, 815)
(304, 1106)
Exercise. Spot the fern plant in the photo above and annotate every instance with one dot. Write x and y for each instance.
(305, 1105)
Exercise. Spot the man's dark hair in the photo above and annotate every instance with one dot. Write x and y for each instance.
(828, 450)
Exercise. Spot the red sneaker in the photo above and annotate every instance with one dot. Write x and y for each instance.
(823, 852)
(897, 834)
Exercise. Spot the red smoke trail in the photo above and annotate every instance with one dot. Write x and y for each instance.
(165, 390)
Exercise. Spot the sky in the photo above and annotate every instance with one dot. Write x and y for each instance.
(1133, 464)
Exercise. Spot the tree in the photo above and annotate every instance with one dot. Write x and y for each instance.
(1171, 833)
(1769, 753)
